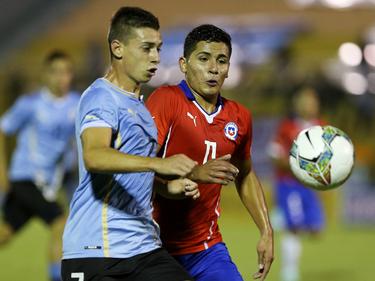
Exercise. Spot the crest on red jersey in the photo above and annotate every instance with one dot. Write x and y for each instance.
(231, 130)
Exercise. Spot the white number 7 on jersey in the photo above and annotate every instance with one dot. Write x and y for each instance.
(210, 145)
(79, 275)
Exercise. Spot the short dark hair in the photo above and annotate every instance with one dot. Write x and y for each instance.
(55, 55)
(130, 17)
(208, 33)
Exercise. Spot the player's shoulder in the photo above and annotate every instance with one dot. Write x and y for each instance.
(98, 92)
(236, 107)
(30, 97)
(167, 91)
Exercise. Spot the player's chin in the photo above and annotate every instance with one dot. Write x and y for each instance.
(212, 90)
(146, 78)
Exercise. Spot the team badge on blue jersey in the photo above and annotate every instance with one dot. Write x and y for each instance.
(231, 130)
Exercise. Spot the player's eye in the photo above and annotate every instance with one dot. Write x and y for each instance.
(146, 48)
(203, 59)
(223, 61)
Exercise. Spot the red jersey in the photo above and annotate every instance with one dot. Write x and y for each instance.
(188, 226)
(285, 135)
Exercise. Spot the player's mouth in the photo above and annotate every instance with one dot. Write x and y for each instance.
(152, 71)
(212, 83)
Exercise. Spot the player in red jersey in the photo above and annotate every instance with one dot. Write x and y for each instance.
(194, 119)
(299, 207)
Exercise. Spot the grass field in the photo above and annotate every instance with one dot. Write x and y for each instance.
(340, 254)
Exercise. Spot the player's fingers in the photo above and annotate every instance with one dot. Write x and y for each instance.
(190, 188)
(225, 157)
(267, 266)
(197, 195)
(265, 271)
(194, 194)
(187, 160)
(259, 273)
(218, 180)
(227, 167)
(222, 175)
(188, 182)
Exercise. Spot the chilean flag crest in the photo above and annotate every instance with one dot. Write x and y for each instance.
(231, 130)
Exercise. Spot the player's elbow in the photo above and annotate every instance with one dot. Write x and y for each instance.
(90, 161)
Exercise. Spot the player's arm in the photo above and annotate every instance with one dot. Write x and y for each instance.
(176, 189)
(10, 123)
(277, 149)
(251, 194)
(99, 157)
(219, 171)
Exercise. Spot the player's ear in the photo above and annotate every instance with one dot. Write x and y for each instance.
(182, 64)
(227, 74)
(116, 49)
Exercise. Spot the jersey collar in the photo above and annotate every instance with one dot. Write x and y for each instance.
(188, 93)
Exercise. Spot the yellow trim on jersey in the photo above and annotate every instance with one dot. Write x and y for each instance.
(118, 140)
(105, 222)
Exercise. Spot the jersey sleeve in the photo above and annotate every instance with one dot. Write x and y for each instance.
(98, 110)
(17, 116)
(162, 105)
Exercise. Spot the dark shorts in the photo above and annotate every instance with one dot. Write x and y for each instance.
(156, 265)
(25, 201)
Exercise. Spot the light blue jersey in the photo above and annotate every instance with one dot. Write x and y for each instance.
(111, 215)
(44, 125)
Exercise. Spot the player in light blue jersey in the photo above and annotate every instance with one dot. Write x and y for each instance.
(110, 233)
(44, 124)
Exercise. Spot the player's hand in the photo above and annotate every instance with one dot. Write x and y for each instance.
(219, 171)
(265, 256)
(178, 164)
(183, 187)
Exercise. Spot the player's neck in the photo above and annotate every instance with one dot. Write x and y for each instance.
(208, 104)
(123, 82)
(56, 94)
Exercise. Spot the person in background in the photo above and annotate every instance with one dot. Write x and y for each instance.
(298, 207)
(43, 122)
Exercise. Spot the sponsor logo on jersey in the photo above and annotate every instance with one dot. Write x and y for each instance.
(194, 118)
(231, 130)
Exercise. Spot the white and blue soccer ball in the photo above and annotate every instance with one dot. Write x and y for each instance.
(322, 157)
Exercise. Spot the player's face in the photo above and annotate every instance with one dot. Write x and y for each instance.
(206, 68)
(58, 76)
(141, 54)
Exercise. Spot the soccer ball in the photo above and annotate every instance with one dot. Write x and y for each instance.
(322, 157)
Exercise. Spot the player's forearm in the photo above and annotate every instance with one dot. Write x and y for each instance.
(109, 160)
(251, 194)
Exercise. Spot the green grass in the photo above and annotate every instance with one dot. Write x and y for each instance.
(340, 254)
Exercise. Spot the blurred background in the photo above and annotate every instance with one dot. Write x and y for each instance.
(278, 46)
